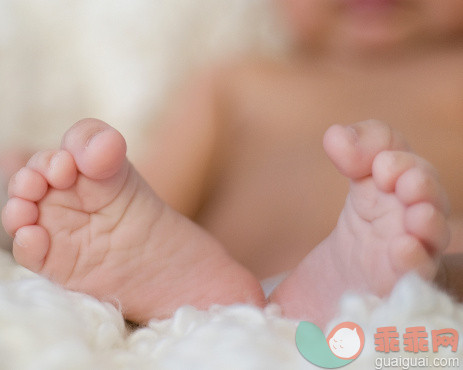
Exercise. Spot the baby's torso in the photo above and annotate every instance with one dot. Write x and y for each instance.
(275, 194)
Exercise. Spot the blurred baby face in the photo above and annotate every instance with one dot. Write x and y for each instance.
(371, 24)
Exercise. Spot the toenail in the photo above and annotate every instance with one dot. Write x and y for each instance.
(353, 134)
(55, 159)
(429, 212)
(92, 136)
(19, 240)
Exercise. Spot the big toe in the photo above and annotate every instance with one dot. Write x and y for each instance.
(353, 149)
(98, 149)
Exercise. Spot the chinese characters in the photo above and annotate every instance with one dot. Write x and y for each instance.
(415, 339)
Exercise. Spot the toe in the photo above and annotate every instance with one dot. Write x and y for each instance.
(353, 149)
(98, 149)
(418, 184)
(388, 166)
(429, 225)
(408, 254)
(27, 184)
(56, 166)
(18, 213)
(30, 247)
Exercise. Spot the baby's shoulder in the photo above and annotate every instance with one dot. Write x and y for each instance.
(259, 69)
(247, 71)
(252, 80)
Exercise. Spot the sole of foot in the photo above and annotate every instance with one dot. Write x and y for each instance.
(83, 217)
(393, 222)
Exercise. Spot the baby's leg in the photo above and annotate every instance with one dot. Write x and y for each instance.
(83, 217)
(394, 221)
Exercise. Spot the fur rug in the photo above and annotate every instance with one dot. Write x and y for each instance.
(117, 60)
(44, 327)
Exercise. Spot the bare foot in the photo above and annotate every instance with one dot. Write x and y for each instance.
(83, 217)
(393, 222)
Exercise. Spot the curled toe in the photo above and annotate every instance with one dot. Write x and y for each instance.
(353, 149)
(407, 254)
(98, 149)
(428, 224)
(419, 185)
(388, 166)
(18, 213)
(56, 166)
(30, 247)
(27, 184)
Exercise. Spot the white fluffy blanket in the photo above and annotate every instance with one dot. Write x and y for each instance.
(45, 327)
(117, 60)
(61, 60)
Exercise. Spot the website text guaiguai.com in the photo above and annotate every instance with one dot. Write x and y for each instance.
(406, 363)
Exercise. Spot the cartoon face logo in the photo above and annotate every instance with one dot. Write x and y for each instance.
(345, 343)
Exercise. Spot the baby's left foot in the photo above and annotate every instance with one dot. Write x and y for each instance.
(83, 217)
(393, 222)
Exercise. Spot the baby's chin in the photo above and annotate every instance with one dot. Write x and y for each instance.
(349, 39)
(374, 39)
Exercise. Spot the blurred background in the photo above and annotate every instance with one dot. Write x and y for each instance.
(117, 60)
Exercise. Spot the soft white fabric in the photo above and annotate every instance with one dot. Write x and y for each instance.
(269, 284)
(44, 327)
(117, 60)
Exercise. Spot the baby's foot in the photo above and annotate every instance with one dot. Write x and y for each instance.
(393, 222)
(83, 217)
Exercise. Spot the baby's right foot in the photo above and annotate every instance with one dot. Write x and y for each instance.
(83, 217)
(393, 222)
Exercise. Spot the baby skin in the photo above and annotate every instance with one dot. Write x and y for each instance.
(83, 217)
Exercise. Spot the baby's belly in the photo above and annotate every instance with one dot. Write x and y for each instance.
(269, 226)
